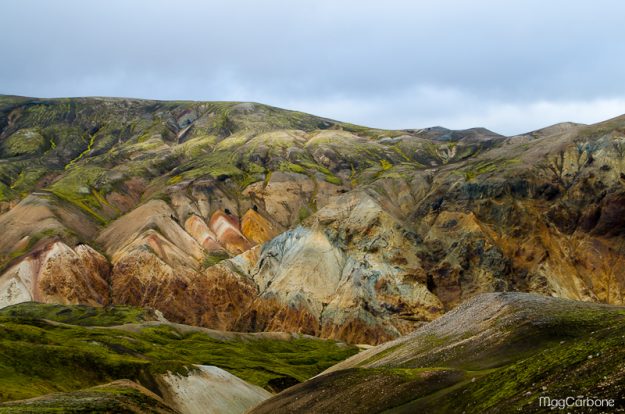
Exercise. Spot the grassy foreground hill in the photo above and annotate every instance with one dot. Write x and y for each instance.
(496, 353)
(53, 348)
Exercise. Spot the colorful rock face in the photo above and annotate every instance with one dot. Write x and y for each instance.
(57, 274)
(260, 219)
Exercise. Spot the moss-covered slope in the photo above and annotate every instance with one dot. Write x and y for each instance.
(496, 353)
(81, 315)
(39, 354)
(120, 396)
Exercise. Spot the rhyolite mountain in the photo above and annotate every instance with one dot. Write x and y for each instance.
(245, 217)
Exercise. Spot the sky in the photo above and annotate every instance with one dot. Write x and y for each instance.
(511, 66)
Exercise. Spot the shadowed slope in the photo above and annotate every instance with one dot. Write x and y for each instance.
(494, 353)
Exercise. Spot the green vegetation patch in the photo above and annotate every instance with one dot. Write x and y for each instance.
(328, 175)
(40, 357)
(332, 179)
(385, 165)
(81, 315)
(5, 192)
(290, 167)
(303, 213)
(485, 167)
(117, 397)
(360, 390)
(212, 259)
(33, 239)
(24, 142)
(27, 179)
(219, 164)
(580, 366)
(85, 186)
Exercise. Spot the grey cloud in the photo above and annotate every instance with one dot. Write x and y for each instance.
(375, 57)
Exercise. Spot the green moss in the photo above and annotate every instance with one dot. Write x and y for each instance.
(24, 142)
(246, 179)
(379, 355)
(40, 357)
(267, 178)
(232, 142)
(85, 187)
(219, 164)
(303, 213)
(401, 153)
(365, 390)
(33, 239)
(572, 367)
(328, 175)
(212, 259)
(254, 168)
(573, 351)
(69, 142)
(78, 314)
(174, 180)
(484, 167)
(5, 192)
(313, 166)
(82, 154)
(116, 397)
(332, 179)
(28, 178)
(290, 167)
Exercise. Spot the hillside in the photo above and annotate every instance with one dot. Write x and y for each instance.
(58, 358)
(245, 217)
(497, 352)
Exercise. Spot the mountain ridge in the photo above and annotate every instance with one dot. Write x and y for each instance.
(243, 216)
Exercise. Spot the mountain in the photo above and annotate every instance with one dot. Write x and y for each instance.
(245, 217)
(497, 352)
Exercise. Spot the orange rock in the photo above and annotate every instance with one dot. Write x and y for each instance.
(257, 228)
(57, 274)
(199, 230)
(226, 228)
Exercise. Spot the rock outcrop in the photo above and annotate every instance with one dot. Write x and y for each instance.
(57, 274)
(209, 389)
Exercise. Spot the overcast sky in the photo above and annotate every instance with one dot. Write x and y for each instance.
(511, 66)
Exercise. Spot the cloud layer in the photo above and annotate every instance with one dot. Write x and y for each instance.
(510, 66)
